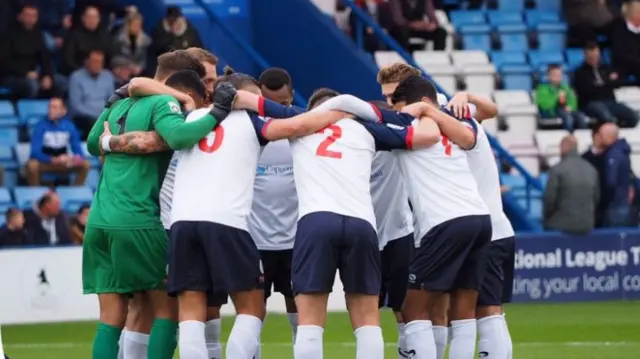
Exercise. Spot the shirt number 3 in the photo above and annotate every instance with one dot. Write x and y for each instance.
(323, 149)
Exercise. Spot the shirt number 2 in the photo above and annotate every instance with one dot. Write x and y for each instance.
(323, 148)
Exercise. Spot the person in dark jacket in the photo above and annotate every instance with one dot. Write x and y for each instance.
(84, 38)
(415, 18)
(625, 41)
(78, 224)
(55, 19)
(594, 84)
(572, 192)
(25, 64)
(46, 225)
(12, 233)
(174, 32)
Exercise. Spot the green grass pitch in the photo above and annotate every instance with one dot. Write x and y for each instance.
(608, 330)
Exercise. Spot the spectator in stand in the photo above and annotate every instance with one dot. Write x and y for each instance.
(55, 20)
(89, 89)
(276, 85)
(572, 192)
(377, 10)
(174, 32)
(108, 10)
(45, 223)
(625, 41)
(415, 18)
(26, 64)
(122, 71)
(587, 19)
(594, 84)
(556, 99)
(84, 38)
(50, 141)
(12, 233)
(132, 43)
(78, 222)
(609, 155)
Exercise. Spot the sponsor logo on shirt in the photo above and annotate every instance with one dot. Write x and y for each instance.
(274, 170)
(376, 175)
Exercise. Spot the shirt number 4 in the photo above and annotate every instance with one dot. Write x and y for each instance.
(323, 149)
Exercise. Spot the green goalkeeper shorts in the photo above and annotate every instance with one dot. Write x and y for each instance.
(123, 261)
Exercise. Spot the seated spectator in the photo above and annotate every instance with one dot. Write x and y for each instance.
(378, 10)
(45, 223)
(275, 84)
(133, 44)
(415, 18)
(572, 192)
(89, 89)
(586, 19)
(594, 84)
(625, 41)
(12, 233)
(174, 32)
(84, 38)
(55, 20)
(26, 65)
(122, 70)
(78, 222)
(108, 10)
(51, 138)
(556, 99)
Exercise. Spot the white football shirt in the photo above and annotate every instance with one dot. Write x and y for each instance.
(214, 179)
(274, 213)
(166, 192)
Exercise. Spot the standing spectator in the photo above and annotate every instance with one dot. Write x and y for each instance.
(55, 20)
(625, 41)
(45, 223)
(122, 71)
(89, 89)
(377, 10)
(276, 85)
(132, 43)
(586, 19)
(416, 18)
(51, 138)
(594, 84)
(78, 223)
(174, 32)
(25, 63)
(572, 192)
(83, 39)
(12, 233)
(556, 99)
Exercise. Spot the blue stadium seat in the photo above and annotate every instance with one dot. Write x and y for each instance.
(535, 17)
(6, 201)
(541, 59)
(497, 18)
(533, 207)
(6, 109)
(11, 178)
(7, 159)
(502, 58)
(511, 5)
(552, 36)
(9, 136)
(575, 57)
(513, 181)
(92, 178)
(548, 5)
(9, 122)
(459, 18)
(605, 56)
(27, 196)
(516, 77)
(32, 110)
(71, 198)
(476, 37)
(513, 37)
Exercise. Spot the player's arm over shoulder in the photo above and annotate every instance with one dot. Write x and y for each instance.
(298, 126)
(169, 123)
(390, 136)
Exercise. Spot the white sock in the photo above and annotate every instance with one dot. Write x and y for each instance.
(293, 322)
(191, 341)
(369, 342)
(308, 343)
(244, 338)
(121, 344)
(463, 343)
(135, 345)
(402, 342)
(491, 338)
(507, 338)
(449, 335)
(212, 330)
(440, 335)
(420, 342)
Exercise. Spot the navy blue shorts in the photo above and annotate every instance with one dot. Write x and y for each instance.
(497, 287)
(277, 272)
(327, 242)
(396, 258)
(452, 255)
(213, 258)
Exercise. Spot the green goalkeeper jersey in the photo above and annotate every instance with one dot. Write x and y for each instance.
(129, 185)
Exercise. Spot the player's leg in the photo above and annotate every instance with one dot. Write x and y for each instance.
(464, 295)
(269, 268)
(213, 326)
(189, 280)
(361, 275)
(440, 321)
(98, 277)
(135, 336)
(494, 341)
(313, 270)
(282, 285)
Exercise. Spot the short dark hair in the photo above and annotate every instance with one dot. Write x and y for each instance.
(92, 52)
(552, 67)
(319, 95)
(413, 89)
(178, 60)
(237, 79)
(28, 6)
(275, 78)
(591, 45)
(187, 80)
(83, 207)
(11, 212)
(45, 199)
(173, 11)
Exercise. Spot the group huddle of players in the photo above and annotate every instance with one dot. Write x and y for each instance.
(246, 192)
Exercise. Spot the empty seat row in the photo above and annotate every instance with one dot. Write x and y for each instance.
(71, 198)
(512, 37)
(533, 19)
